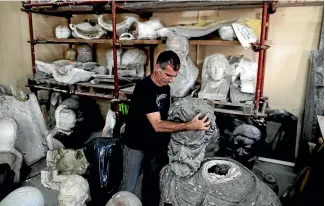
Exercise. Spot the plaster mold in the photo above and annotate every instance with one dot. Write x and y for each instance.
(86, 30)
(121, 27)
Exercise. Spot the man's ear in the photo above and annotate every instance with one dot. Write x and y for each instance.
(158, 68)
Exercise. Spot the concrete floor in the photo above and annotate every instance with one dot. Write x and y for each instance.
(34, 180)
(283, 174)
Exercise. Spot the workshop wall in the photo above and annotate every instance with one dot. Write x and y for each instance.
(294, 32)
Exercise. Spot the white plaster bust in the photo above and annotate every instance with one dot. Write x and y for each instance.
(65, 120)
(8, 152)
(216, 78)
(188, 72)
(74, 191)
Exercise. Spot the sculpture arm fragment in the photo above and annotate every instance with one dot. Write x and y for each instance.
(168, 126)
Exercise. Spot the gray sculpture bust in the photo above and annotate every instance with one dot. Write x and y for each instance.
(188, 148)
(245, 140)
(189, 179)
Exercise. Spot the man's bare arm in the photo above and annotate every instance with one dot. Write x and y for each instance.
(168, 126)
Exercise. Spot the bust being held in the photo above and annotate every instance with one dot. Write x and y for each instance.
(216, 78)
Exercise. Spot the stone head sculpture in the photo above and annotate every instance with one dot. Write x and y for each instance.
(74, 191)
(8, 153)
(216, 77)
(245, 139)
(187, 149)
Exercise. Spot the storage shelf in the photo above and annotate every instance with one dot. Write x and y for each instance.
(101, 91)
(132, 42)
(146, 8)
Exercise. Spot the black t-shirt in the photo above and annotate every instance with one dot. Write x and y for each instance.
(147, 98)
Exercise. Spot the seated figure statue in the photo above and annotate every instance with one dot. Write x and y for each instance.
(245, 140)
(74, 191)
(61, 164)
(216, 78)
(8, 152)
(188, 72)
(189, 179)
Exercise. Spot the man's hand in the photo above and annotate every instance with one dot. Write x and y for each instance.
(199, 124)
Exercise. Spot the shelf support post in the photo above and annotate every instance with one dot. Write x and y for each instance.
(260, 70)
(32, 41)
(116, 89)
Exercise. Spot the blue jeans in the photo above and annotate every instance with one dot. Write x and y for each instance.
(151, 164)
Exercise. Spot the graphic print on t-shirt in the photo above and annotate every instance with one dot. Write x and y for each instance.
(160, 101)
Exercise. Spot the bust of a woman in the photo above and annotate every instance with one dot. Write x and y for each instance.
(216, 78)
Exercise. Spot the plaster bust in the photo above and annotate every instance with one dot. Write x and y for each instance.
(188, 72)
(8, 152)
(65, 120)
(187, 149)
(216, 78)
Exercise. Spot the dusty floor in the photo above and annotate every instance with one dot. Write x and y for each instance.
(50, 196)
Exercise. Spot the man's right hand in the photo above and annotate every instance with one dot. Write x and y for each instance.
(199, 124)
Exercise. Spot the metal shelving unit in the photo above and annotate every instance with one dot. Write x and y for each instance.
(145, 10)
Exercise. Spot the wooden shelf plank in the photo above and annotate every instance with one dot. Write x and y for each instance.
(135, 42)
(55, 40)
(214, 42)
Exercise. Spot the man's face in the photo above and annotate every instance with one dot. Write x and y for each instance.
(166, 75)
(186, 155)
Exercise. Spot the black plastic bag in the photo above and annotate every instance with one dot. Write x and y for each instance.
(6, 180)
(105, 169)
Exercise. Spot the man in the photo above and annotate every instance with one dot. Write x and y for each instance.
(146, 135)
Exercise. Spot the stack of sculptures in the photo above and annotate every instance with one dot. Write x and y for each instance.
(189, 179)
(61, 164)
